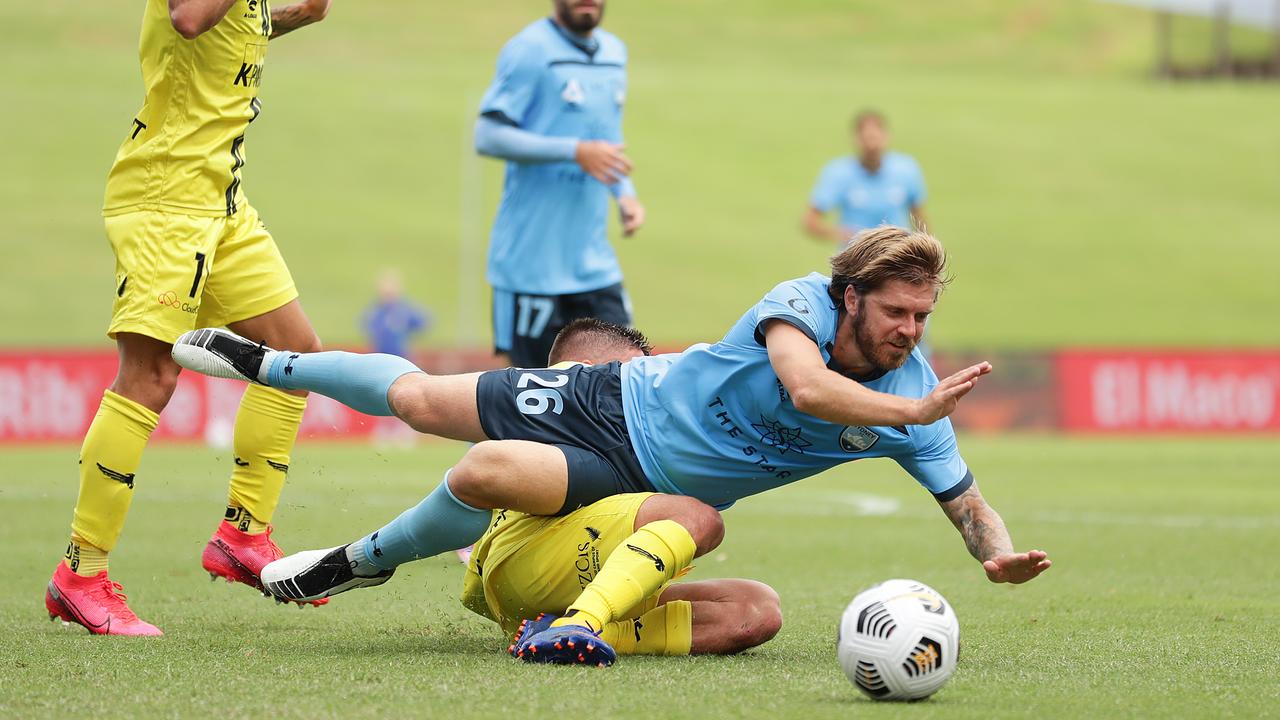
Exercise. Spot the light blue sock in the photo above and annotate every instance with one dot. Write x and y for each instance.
(358, 381)
(439, 523)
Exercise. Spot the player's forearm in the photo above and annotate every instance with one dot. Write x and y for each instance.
(819, 229)
(291, 17)
(192, 18)
(982, 528)
(508, 142)
(830, 396)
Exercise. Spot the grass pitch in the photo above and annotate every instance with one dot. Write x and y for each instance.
(1161, 599)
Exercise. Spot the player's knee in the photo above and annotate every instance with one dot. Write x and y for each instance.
(307, 342)
(149, 383)
(474, 478)
(760, 617)
(407, 400)
(704, 524)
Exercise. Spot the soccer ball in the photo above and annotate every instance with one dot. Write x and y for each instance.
(898, 640)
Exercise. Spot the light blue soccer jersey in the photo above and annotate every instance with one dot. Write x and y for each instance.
(549, 236)
(865, 200)
(716, 423)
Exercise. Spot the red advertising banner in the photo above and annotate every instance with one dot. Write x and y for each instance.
(52, 396)
(1151, 391)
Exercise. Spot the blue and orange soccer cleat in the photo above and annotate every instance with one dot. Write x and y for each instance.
(529, 628)
(239, 557)
(538, 642)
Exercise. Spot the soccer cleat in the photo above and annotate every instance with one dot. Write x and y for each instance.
(222, 354)
(239, 557)
(529, 628)
(94, 603)
(566, 645)
(315, 574)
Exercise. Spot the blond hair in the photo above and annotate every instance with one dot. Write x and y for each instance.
(886, 253)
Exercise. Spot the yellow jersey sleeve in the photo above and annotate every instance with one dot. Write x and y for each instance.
(184, 150)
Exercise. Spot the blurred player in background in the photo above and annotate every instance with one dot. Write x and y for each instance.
(554, 113)
(528, 569)
(190, 251)
(876, 187)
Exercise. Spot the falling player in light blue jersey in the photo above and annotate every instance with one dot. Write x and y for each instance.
(820, 372)
(554, 113)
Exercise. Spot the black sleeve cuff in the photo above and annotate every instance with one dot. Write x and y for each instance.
(956, 490)
(797, 324)
(499, 117)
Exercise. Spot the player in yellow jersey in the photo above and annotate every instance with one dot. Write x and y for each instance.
(527, 569)
(190, 251)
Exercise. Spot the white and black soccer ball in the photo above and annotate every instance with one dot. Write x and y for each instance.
(898, 640)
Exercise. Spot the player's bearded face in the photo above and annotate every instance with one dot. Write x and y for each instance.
(884, 353)
(580, 16)
(888, 323)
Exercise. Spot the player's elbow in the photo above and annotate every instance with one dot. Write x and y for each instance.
(809, 224)
(318, 9)
(806, 396)
(188, 24)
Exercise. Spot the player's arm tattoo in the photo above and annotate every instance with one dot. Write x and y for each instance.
(291, 17)
(979, 524)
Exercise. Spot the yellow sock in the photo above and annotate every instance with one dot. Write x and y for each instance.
(109, 460)
(266, 426)
(244, 521)
(635, 570)
(83, 558)
(664, 630)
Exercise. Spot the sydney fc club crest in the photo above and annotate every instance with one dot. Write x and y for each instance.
(855, 438)
(572, 92)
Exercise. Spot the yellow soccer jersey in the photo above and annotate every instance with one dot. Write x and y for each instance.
(185, 149)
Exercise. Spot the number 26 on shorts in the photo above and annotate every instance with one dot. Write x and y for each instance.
(537, 401)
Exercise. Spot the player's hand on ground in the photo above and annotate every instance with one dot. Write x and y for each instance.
(632, 213)
(603, 160)
(946, 396)
(1016, 568)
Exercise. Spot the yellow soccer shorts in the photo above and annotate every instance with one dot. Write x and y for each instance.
(527, 564)
(177, 272)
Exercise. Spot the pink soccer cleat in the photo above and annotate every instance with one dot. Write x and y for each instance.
(239, 557)
(94, 603)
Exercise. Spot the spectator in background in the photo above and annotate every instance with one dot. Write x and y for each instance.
(392, 320)
(388, 324)
(877, 187)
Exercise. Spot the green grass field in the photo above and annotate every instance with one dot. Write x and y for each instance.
(1161, 600)
(1084, 202)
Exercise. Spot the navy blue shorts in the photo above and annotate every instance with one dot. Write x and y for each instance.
(577, 409)
(525, 326)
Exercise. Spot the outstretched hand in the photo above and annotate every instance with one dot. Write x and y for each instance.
(1016, 568)
(946, 395)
